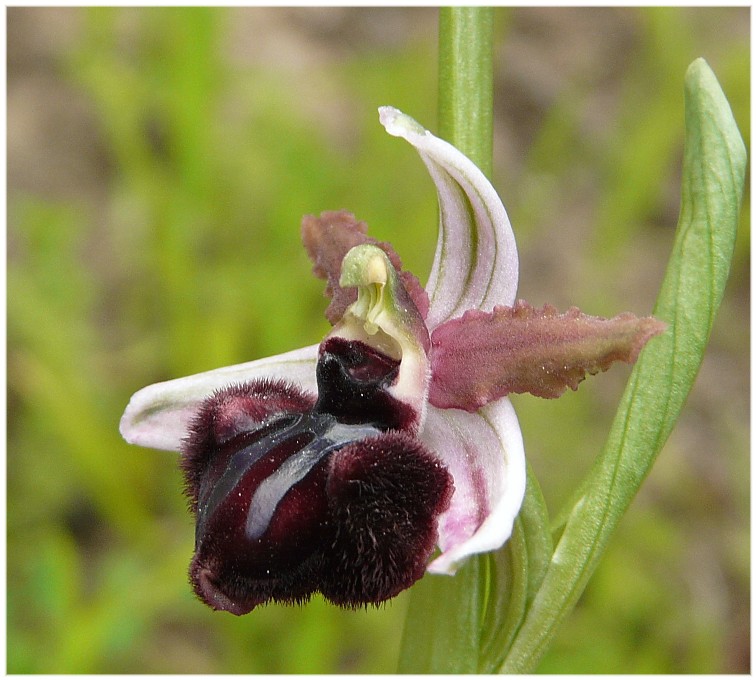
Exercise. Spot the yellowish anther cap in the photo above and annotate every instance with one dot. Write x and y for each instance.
(367, 267)
(364, 265)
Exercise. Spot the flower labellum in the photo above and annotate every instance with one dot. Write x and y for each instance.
(294, 493)
(339, 468)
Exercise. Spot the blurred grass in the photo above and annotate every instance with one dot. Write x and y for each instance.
(183, 255)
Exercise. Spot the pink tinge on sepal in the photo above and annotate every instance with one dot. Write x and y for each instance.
(483, 356)
(484, 453)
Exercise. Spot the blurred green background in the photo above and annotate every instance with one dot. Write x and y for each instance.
(159, 162)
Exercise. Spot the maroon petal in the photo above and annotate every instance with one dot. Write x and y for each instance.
(483, 356)
(328, 239)
(294, 495)
(385, 494)
(259, 511)
(231, 413)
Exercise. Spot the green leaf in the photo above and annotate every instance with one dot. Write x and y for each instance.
(534, 519)
(713, 173)
(443, 627)
(516, 574)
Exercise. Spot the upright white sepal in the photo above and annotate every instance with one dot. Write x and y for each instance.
(475, 265)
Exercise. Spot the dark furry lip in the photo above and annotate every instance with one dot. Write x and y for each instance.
(295, 494)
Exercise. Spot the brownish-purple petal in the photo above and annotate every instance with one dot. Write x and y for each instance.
(328, 239)
(483, 356)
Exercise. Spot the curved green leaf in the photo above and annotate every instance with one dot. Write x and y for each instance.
(713, 174)
(517, 572)
(442, 632)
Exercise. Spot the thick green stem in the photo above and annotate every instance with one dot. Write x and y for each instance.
(465, 78)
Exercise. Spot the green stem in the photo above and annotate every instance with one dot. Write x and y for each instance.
(465, 79)
(445, 622)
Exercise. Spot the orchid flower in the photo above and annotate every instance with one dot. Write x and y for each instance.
(350, 467)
